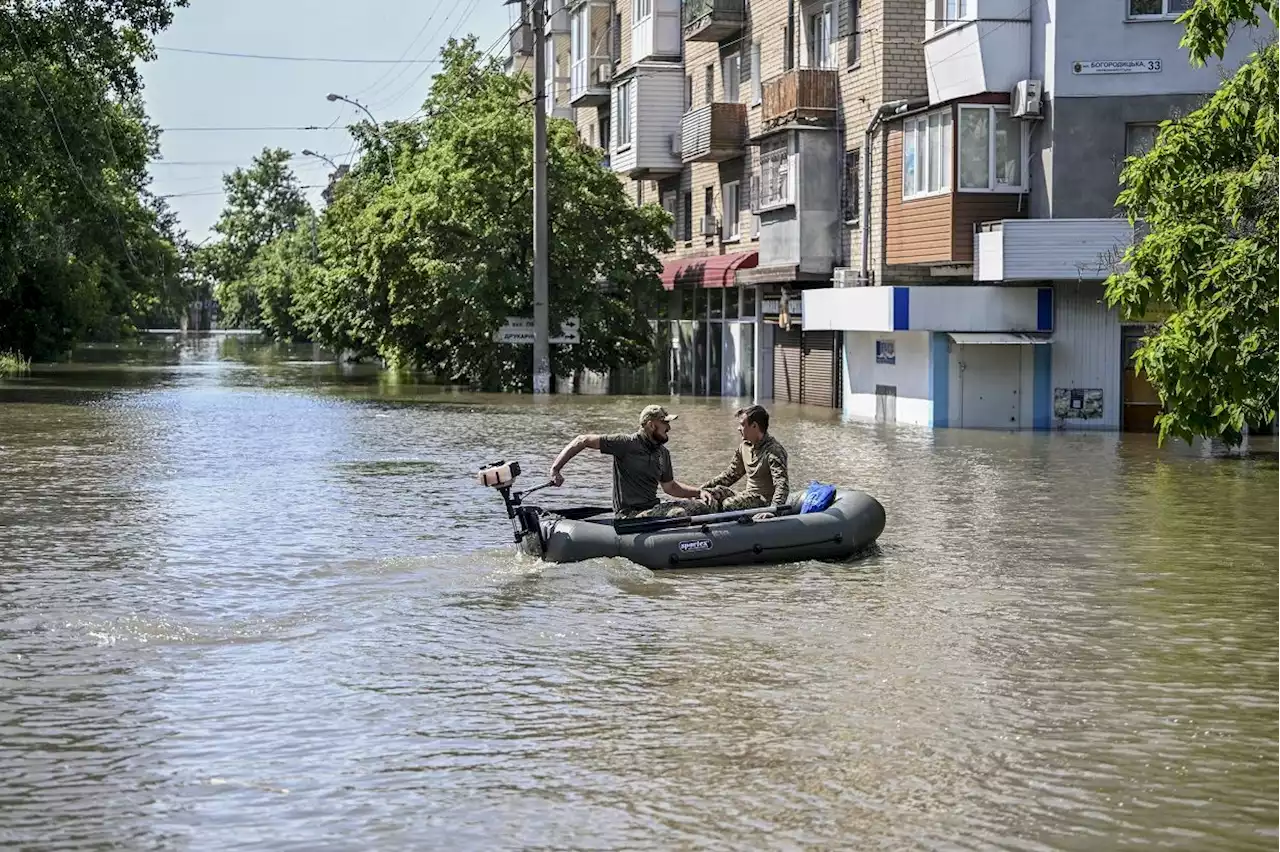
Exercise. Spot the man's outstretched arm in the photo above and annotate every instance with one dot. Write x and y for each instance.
(570, 450)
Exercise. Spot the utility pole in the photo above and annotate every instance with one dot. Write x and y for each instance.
(541, 319)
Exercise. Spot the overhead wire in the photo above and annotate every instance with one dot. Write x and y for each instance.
(278, 58)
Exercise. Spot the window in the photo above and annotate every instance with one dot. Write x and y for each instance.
(639, 193)
(688, 216)
(946, 13)
(852, 186)
(688, 92)
(669, 205)
(774, 186)
(710, 87)
(643, 10)
(926, 154)
(708, 206)
(624, 114)
(991, 149)
(732, 76)
(757, 85)
(604, 132)
(1158, 8)
(729, 219)
(821, 33)
(789, 46)
(853, 46)
(1139, 138)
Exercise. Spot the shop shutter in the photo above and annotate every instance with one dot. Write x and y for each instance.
(786, 366)
(818, 380)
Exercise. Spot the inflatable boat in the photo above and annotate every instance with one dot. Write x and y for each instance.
(849, 525)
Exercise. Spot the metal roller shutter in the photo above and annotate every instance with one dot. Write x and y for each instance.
(786, 366)
(818, 369)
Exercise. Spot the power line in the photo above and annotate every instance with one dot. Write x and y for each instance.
(232, 129)
(277, 58)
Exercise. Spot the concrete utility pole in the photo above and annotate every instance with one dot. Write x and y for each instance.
(541, 345)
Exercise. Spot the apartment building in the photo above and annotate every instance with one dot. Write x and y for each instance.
(902, 209)
(745, 121)
(1000, 185)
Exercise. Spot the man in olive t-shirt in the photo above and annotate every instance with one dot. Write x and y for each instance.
(641, 464)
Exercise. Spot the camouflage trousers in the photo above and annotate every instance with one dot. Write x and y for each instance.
(726, 501)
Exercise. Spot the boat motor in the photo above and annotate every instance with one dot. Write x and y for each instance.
(524, 519)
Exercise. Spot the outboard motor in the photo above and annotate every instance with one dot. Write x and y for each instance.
(524, 519)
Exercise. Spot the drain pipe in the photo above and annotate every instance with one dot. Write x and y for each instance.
(886, 110)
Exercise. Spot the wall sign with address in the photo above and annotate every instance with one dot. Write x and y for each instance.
(1116, 66)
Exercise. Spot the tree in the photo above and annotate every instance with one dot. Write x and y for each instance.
(1206, 195)
(424, 268)
(264, 202)
(84, 250)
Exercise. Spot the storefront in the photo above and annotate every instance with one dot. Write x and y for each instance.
(714, 335)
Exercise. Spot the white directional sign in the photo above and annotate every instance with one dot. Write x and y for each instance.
(520, 330)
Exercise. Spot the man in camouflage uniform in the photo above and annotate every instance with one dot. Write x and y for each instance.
(762, 460)
(641, 464)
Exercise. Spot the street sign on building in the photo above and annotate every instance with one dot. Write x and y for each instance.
(519, 330)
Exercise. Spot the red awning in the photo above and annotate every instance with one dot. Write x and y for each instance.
(714, 271)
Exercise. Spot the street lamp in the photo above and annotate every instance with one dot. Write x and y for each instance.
(331, 97)
(307, 152)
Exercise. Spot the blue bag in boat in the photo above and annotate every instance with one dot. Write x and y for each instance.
(817, 497)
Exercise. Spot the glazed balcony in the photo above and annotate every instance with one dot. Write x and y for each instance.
(713, 20)
(713, 133)
(802, 95)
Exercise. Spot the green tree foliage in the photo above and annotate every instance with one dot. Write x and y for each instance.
(1206, 194)
(264, 203)
(423, 268)
(85, 251)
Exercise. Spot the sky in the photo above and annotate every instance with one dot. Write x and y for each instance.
(190, 90)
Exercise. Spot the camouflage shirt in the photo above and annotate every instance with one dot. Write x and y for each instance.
(764, 465)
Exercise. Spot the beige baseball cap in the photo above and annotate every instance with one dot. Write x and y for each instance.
(656, 412)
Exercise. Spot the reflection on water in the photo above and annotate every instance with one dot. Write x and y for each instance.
(251, 598)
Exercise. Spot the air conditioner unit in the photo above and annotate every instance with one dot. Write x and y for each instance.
(709, 226)
(847, 276)
(674, 140)
(1025, 99)
(604, 73)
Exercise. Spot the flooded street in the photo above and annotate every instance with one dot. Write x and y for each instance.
(257, 601)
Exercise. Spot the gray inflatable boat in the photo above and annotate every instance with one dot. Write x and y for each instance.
(850, 525)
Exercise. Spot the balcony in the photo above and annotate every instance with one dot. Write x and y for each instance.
(645, 106)
(591, 53)
(713, 20)
(713, 133)
(1050, 249)
(976, 56)
(803, 95)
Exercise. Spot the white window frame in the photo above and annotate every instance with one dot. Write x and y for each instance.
(1163, 15)
(641, 11)
(916, 131)
(622, 124)
(730, 211)
(948, 13)
(820, 47)
(757, 85)
(731, 77)
(1023, 151)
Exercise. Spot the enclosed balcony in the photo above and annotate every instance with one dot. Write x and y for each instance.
(591, 53)
(801, 96)
(1048, 249)
(713, 20)
(713, 133)
(976, 46)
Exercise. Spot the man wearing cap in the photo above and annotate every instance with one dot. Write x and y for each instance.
(641, 464)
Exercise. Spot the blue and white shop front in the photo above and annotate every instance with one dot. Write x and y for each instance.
(959, 355)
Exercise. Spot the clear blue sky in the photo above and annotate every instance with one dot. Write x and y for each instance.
(193, 90)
